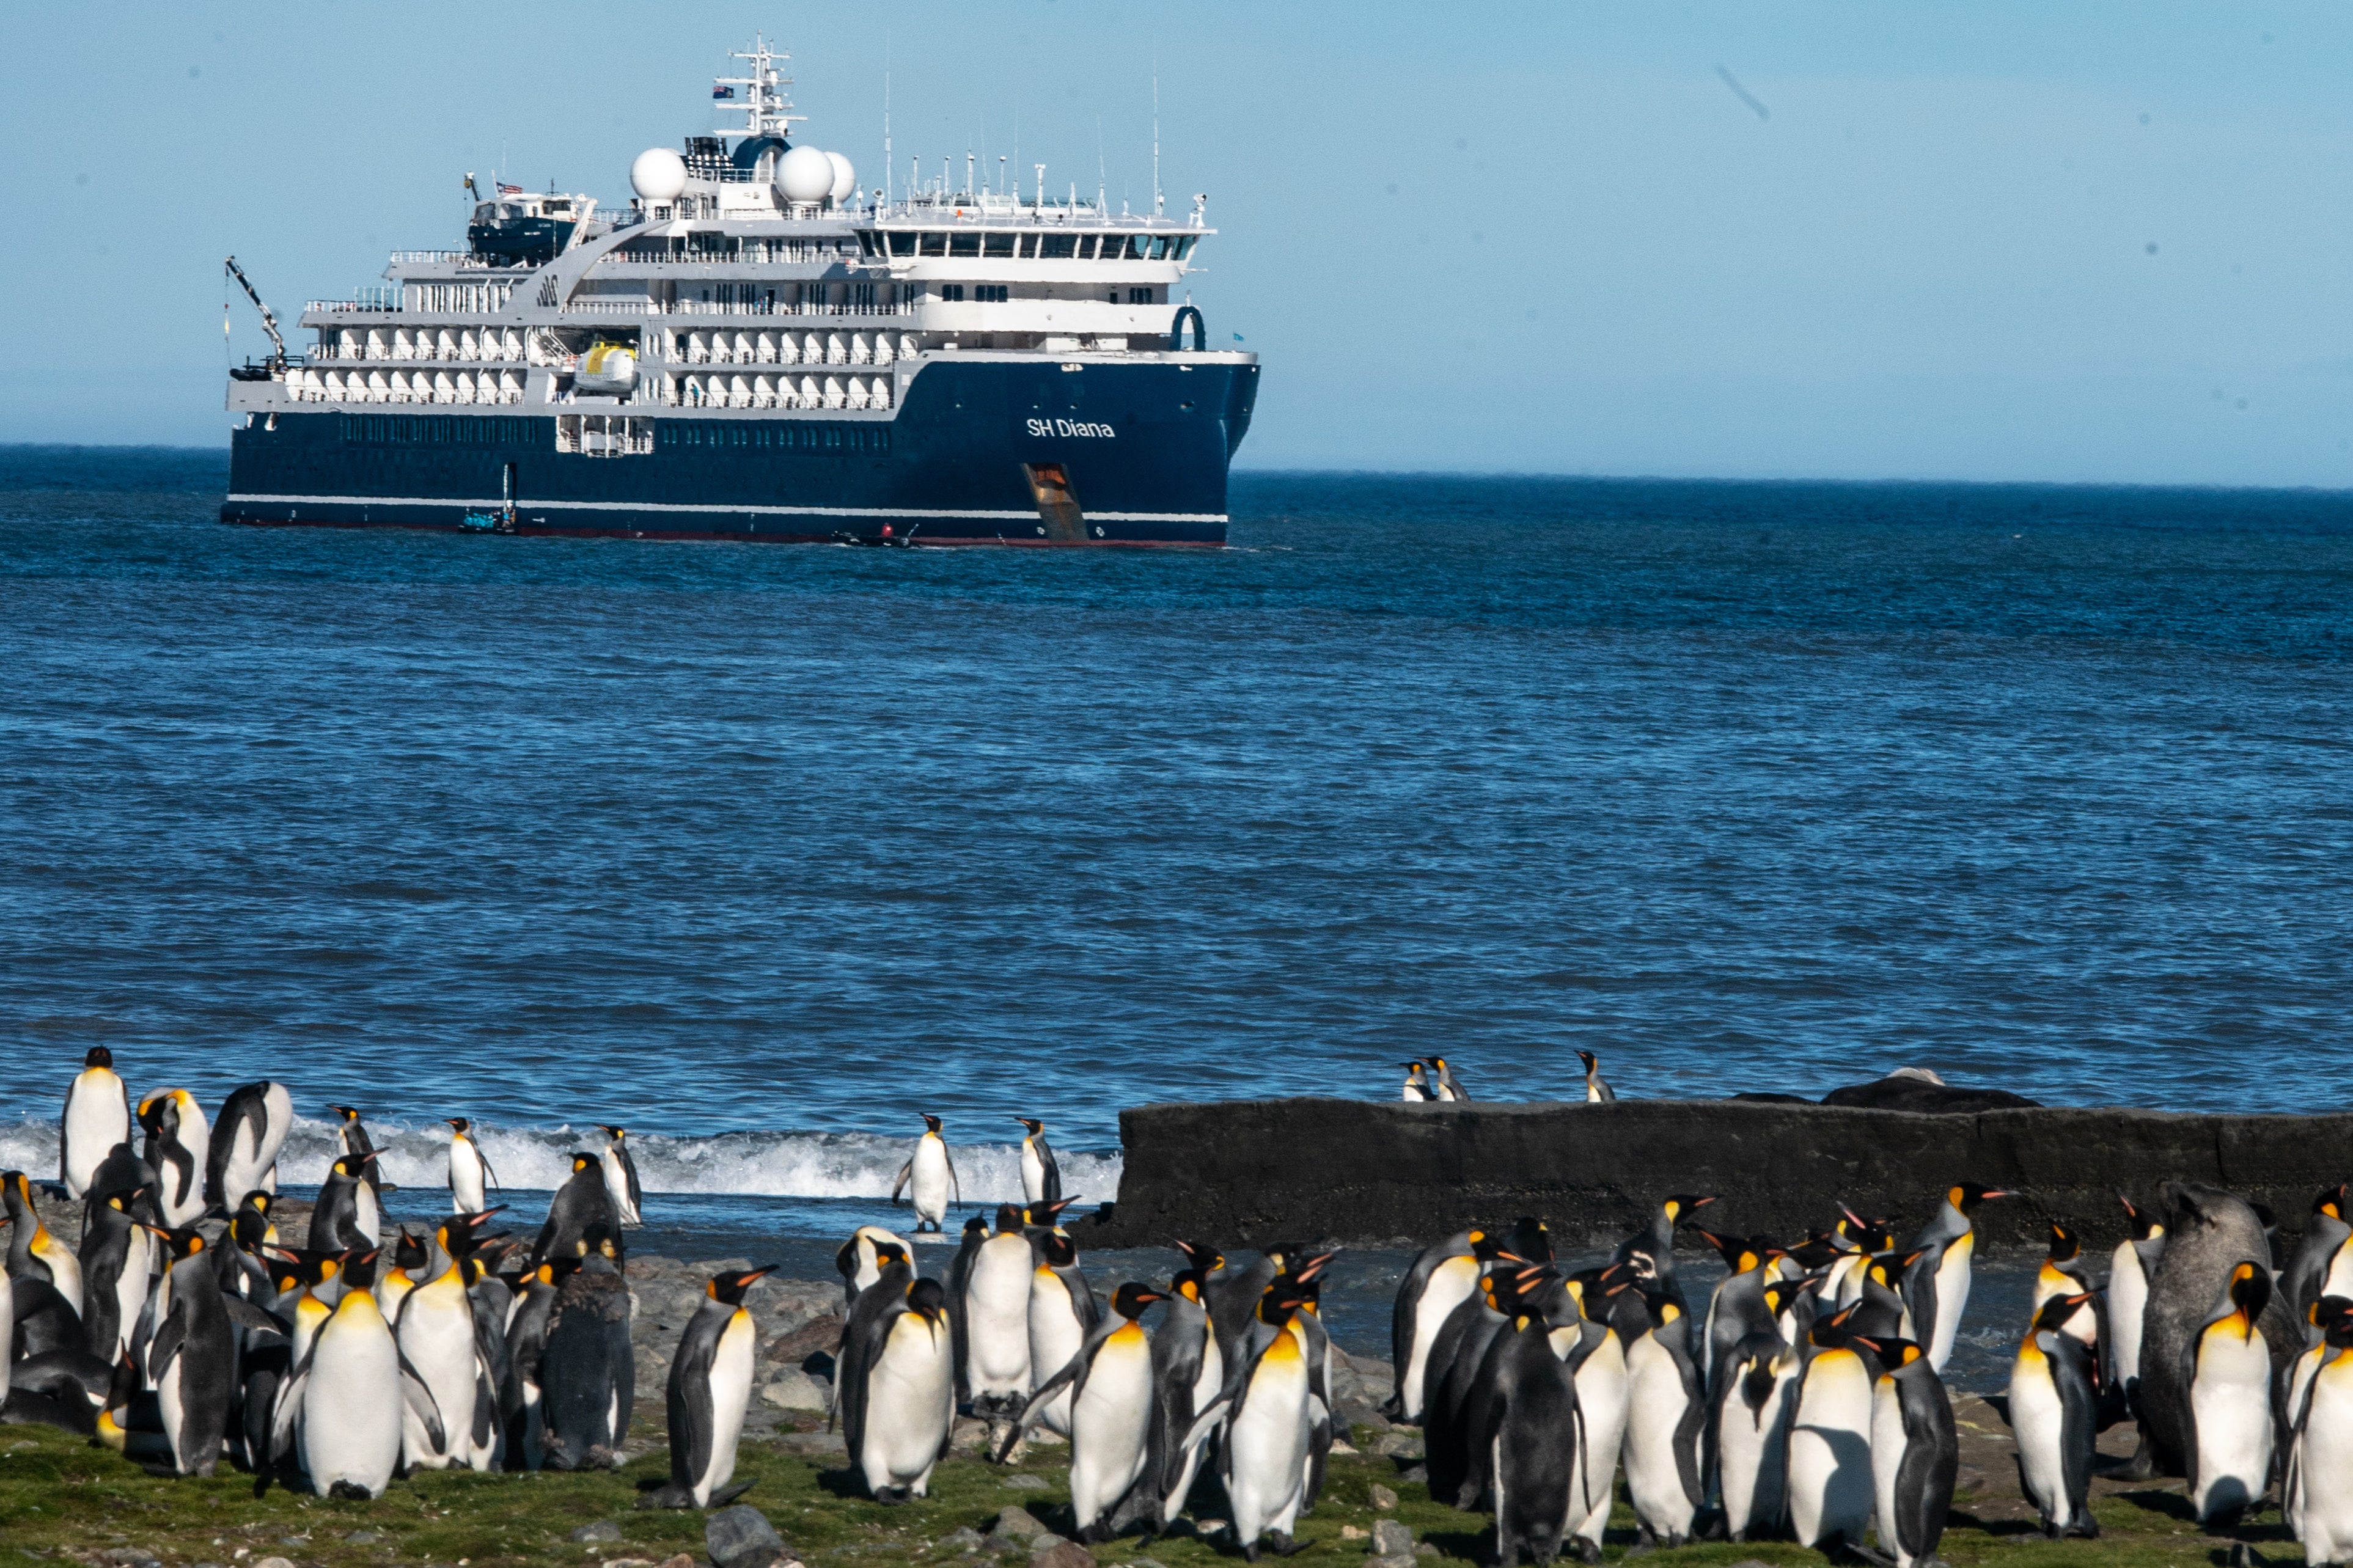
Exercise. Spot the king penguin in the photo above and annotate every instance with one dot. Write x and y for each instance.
(336, 1222)
(2054, 1419)
(246, 1138)
(2316, 1504)
(2130, 1269)
(340, 1417)
(96, 1117)
(1263, 1414)
(1416, 1087)
(352, 1138)
(1188, 1374)
(587, 1367)
(1736, 1308)
(1915, 1452)
(34, 1252)
(192, 1360)
(1936, 1287)
(1450, 1087)
(470, 1176)
(178, 1148)
(1665, 1411)
(2228, 1369)
(1832, 1492)
(1442, 1278)
(858, 1262)
(438, 1337)
(621, 1177)
(1755, 1392)
(1062, 1313)
(710, 1388)
(995, 1312)
(897, 1398)
(1041, 1177)
(1534, 1426)
(117, 1260)
(1110, 1384)
(1597, 1092)
(928, 1177)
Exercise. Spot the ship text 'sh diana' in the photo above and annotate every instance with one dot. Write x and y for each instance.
(754, 350)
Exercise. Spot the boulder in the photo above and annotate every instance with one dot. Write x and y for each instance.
(742, 1537)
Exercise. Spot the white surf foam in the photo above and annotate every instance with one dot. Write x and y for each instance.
(764, 1164)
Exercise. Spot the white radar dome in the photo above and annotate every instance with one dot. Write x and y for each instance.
(658, 175)
(804, 175)
(845, 178)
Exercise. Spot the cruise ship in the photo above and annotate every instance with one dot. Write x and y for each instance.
(754, 349)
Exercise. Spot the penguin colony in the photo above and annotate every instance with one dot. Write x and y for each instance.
(182, 1329)
(1808, 1402)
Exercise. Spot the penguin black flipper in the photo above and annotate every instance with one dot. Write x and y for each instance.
(906, 1174)
(1920, 1293)
(1051, 1176)
(2072, 1373)
(414, 1392)
(862, 1339)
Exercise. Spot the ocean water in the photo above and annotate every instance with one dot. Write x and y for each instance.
(764, 851)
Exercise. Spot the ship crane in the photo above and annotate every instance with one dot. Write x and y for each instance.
(269, 320)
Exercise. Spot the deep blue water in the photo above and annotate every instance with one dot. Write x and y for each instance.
(1746, 787)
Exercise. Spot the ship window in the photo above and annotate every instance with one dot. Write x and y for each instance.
(951, 291)
(964, 244)
(989, 293)
(1086, 247)
(1139, 296)
(1028, 243)
(1185, 245)
(1056, 244)
(903, 243)
(999, 245)
(866, 245)
(1159, 248)
(936, 245)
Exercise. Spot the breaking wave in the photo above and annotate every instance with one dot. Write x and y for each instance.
(760, 1164)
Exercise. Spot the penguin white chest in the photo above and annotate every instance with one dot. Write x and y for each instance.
(910, 1397)
(1448, 1285)
(1601, 1394)
(2128, 1302)
(997, 1319)
(2230, 1397)
(730, 1380)
(351, 1406)
(1751, 1451)
(1656, 1402)
(929, 1182)
(436, 1335)
(616, 1185)
(2323, 1504)
(1033, 1175)
(2037, 1423)
(1267, 1444)
(1110, 1421)
(1830, 1490)
(466, 1188)
(1055, 1337)
(1953, 1273)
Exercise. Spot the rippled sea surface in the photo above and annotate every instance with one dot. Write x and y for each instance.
(764, 850)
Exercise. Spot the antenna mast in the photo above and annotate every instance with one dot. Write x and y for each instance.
(1156, 202)
(886, 120)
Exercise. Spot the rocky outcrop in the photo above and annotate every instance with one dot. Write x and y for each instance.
(1387, 1173)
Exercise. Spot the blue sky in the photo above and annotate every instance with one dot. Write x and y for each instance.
(1546, 239)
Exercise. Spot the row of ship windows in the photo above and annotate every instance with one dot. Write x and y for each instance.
(443, 430)
(1042, 247)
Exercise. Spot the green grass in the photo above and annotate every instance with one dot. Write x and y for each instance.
(55, 1492)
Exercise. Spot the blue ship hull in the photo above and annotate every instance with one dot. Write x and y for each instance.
(1142, 448)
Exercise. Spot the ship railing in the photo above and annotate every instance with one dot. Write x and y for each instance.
(854, 356)
(387, 302)
(608, 308)
(779, 308)
(753, 252)
(461, 258)
(372, 395)
(394, 354)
